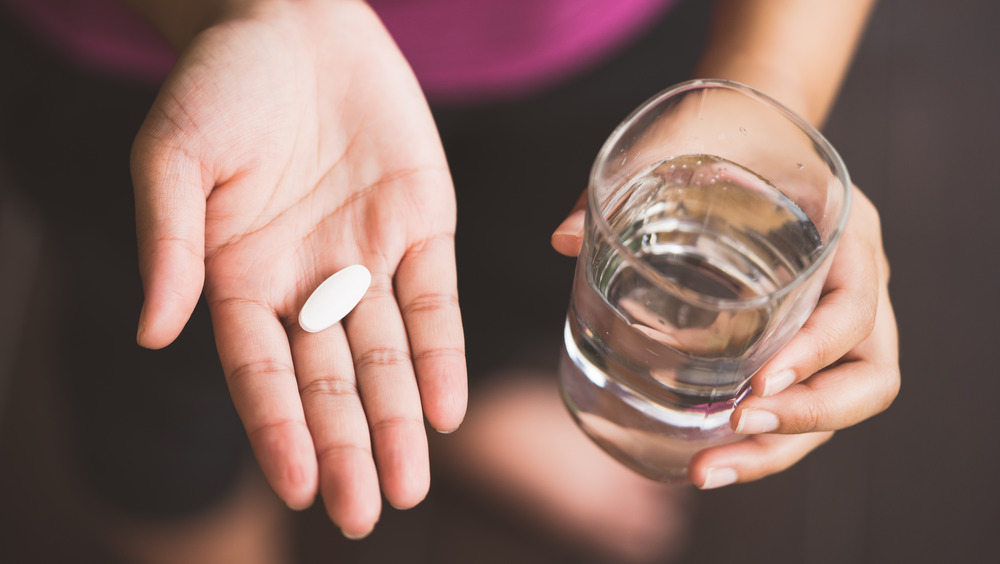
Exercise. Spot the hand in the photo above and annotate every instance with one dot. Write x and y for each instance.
(841, 368)
(291, 141)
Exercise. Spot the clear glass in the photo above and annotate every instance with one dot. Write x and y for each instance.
(713, 212)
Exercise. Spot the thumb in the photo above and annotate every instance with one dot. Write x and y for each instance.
(568, 237)
(170, 228)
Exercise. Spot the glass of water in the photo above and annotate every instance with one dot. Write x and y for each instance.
(712, 216)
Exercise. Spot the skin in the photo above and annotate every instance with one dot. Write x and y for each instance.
(276, 154)
(292, 140)
(843, 365)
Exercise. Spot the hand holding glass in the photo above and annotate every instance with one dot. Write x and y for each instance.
(712, 215)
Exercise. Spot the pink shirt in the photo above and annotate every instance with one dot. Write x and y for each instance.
(460, 49)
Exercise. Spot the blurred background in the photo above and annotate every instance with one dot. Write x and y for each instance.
(917, 123)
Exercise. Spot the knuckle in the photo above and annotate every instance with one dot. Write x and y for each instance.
(822, 345)
(430, 302)
(257, 369)
(272, 431)
(810, 417)
(874, 218)
(380, 289)
(868, 310)
(391, 425)
(328, 387)
(231, 302)
(425, 244)
(343, 450)
(438, 353)
(381, 357)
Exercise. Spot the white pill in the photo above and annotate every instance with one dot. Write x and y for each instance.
(335, 298)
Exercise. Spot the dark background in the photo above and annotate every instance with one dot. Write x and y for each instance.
(917, 123)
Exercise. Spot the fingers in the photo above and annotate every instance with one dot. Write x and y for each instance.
(427, 290)
(862, 378)
(170, 226)
(568, 237)
(381, 346)
(388, 387)
(258, 365)
(842, 368)
(751, 459)
(863, 384)
(844, 316)
(347, 476)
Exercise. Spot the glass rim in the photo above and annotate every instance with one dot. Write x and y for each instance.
(819, 141)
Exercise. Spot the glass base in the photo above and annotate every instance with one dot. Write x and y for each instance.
(656, 441)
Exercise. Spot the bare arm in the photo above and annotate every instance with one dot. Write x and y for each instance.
(798, 51)
(843, 366)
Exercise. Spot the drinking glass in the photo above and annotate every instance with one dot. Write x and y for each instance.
(712, 215)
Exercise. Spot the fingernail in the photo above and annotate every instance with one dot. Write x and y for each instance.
(355, 537)
(300, 506)
(778, 382)
(754, 421)
(140, 331)
(571, 226)
(719, 477)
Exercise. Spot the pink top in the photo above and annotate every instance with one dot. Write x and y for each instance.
(462, 49)
(100, 34)
(459, 49)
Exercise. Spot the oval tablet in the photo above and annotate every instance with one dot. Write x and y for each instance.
(334, 298)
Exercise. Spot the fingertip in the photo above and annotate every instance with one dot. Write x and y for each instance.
(290, 469)
(155, 339)
(158, 328)
(714, 478)
(447, 430)
(297, 485)
(172, 290)
(140, 334)
(356, 536)
(407, 488)
(699, 466)
(410, 498)
(567, 244)
(405, 477)
(444, 392)
(350, 490)
(568, 237)
(299, 501)
(774, 383)
(447, 425)
(449, 410)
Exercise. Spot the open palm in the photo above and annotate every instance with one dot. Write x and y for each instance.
(282, 149)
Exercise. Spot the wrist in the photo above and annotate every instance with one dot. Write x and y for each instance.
(786, 87)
